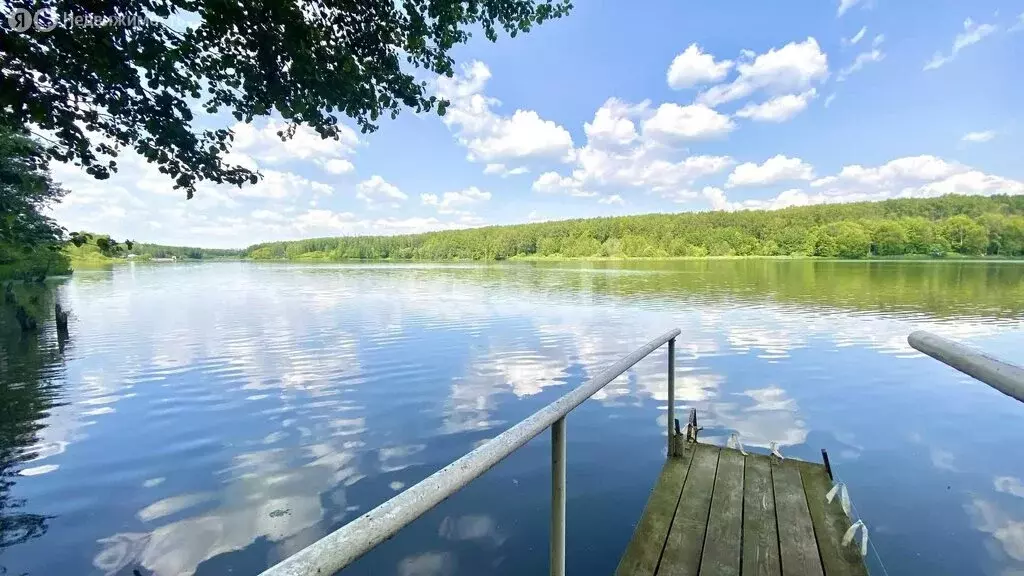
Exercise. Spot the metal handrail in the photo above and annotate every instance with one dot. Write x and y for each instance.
(346, 544)
(1003, 376)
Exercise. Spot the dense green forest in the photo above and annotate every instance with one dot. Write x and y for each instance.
(181, 252)
(952, 224)
(30, 241)
(87, 247)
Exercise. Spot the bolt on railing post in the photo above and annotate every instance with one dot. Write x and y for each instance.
(558, 497)
(671, 392)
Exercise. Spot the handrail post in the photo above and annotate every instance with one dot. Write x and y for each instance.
(671, 393)
(558, 497)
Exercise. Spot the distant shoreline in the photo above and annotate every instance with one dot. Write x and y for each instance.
(86, 263)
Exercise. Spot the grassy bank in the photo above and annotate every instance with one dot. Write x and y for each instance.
(99, 250)
(88, 254)
(31, 264)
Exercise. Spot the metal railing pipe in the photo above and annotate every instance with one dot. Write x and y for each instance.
(343, 546)
(1003, 376)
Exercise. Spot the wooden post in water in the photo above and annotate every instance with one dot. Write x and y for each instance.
(691, 426)
(61, 317)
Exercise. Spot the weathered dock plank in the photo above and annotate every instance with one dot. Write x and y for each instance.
(725, 523)
(716, 512)
(644, 550)
(797, 546)
(760, 536)
(831, 523)
(686, 537)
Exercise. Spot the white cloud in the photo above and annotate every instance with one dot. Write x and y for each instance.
(114, 212)
(416, 225)
(523, 135)
(263, 214)
(972, 182)
(276, 185)
(845, 5)
(716, 197)
(911, 177)
(324, 220)
(612, 124)
(450, 202)
(376, 190)
(613, 199)
(1019, 25)
(503, 171)
(140, 203)
(858, 36)
(679, 196)
(693, 122)
(264, 226)
(775, 169)
(266, 146)
(778, 109)
(794, 197)
(794, 67)
(693, 67)
(972, 34)
(235, 158)
(617, 156)
(338, 166)
(893, 173)
(642, 168)
(829, 100)
(983, 136)
(554, 183)
(864, 58)
(489, 136)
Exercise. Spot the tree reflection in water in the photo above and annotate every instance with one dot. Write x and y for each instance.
(31, 368)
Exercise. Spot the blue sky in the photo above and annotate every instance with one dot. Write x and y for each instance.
(626, 108)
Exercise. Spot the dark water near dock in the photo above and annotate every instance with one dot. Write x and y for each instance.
(215, 418)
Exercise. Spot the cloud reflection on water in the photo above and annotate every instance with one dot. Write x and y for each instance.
(281, 389)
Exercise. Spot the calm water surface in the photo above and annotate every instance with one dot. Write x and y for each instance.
(215, 418)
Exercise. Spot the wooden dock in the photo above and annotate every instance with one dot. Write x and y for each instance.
(714, 511)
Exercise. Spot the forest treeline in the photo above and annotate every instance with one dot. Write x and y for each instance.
(182, 252)
(967, 225)
(88, 247)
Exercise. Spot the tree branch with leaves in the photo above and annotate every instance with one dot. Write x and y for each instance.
(96, 91)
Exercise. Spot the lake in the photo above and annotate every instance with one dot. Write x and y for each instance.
(217, 417)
